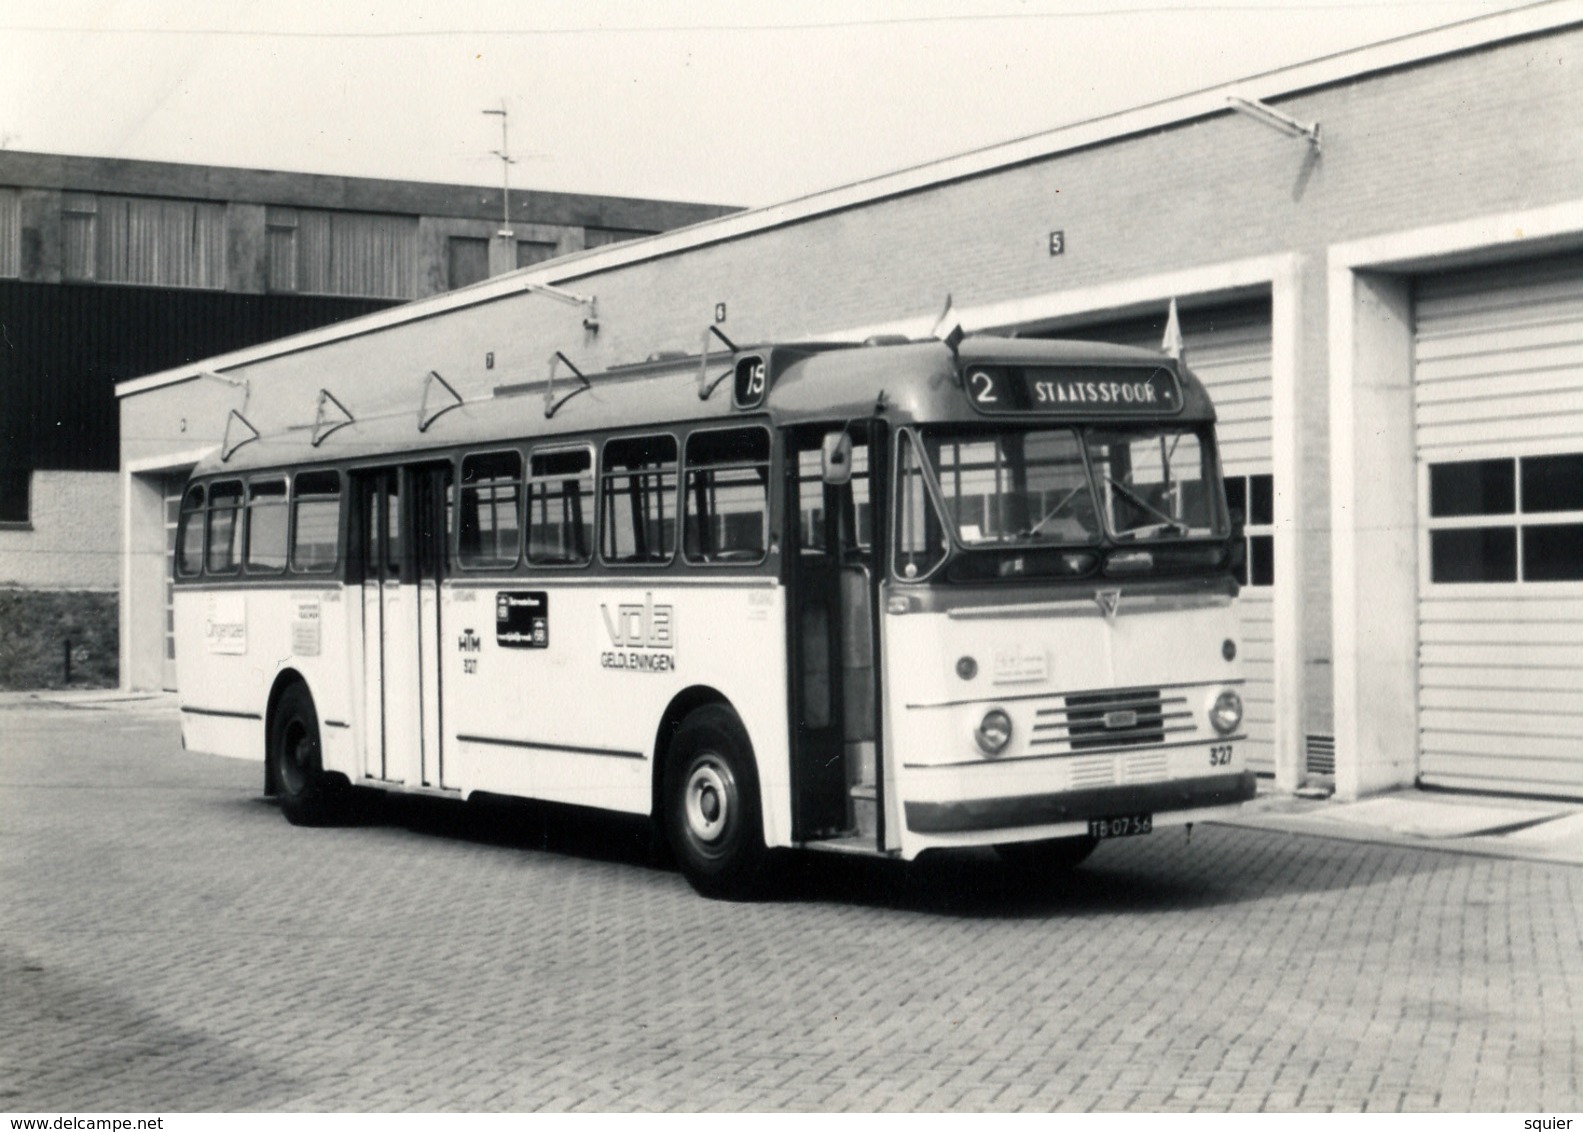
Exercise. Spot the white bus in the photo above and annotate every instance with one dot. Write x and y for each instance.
(883, 598)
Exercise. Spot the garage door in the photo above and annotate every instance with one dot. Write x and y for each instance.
(171, 488)
(1228, 348)
(1499, 418)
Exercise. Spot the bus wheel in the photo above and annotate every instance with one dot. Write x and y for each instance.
(711, 800)
(307, 795)
(1053, 856)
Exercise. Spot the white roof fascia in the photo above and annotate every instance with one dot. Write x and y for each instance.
(1481, 31)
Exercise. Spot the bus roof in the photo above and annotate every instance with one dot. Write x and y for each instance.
(904, 381)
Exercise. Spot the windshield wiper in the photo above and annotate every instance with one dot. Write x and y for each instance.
(1054, 511)
(1166, 521)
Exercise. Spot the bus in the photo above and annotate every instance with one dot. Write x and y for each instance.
(883, 598)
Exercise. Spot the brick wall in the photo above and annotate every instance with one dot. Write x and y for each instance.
(75, 538)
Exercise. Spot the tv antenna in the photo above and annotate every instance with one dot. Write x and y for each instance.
(506, 162)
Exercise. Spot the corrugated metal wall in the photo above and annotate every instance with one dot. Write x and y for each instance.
(63, 347)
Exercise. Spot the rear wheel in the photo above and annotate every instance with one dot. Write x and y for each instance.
(1058, 854)
(308, 796)
(711, 798)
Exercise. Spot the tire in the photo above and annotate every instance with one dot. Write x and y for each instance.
(308, 796)
(712, 816)
(1040, 858)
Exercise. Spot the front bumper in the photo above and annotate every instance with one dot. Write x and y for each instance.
(981, 815)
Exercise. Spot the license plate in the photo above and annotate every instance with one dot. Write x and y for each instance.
(1131, 825)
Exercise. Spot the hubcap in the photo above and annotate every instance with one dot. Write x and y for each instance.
(708, 801)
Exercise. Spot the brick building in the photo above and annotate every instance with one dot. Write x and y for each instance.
(1381, 282)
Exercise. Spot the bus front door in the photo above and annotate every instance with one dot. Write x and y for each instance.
(835, 779)
(401, 538)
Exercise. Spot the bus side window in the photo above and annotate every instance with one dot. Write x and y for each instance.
(920, 532)
(638, 500)
(491, 520)
(224, 528)
(727, 496)
(316, 522)
(265, 535)
(189, 550)
(560, 495)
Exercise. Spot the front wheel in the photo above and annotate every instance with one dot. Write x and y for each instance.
(711, 804)
(308, 796)
(1056, 855)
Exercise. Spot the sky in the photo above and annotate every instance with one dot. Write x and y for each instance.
(722, 101)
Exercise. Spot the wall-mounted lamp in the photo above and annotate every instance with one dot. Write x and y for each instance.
(1261, 112)
(590, 320)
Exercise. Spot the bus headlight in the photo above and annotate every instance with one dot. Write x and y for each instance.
(994, 732)
(1226, 715)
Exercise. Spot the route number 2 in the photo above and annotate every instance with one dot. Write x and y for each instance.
(983, 387)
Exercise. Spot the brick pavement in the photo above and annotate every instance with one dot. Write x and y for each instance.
(168, 942)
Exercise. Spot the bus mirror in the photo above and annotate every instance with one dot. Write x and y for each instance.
(836, 464)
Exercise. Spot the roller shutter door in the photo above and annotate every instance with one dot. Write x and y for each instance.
(1228, 348)
(171, 487)
(1498, 395)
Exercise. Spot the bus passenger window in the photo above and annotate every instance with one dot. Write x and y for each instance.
(727, 496)
(561, 507)
(638, 497)
(316, 522)
(189, 552)
(266, 527)
(224, 527)
(491, 530)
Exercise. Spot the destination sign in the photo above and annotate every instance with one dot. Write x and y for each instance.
(522, 619)
(1073, 390)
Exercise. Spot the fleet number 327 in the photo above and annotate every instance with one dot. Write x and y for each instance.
(1220, 756)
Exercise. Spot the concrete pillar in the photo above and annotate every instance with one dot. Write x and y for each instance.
(1374, 561)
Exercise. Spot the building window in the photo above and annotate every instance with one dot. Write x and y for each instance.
(1254, 498)
(360, 254)
(466, 260)
(530, 252)
(146, 241)
(599, 237)
(14, 484)
(10, 233)
(1509, 519)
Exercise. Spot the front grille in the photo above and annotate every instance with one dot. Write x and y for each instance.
(1107, 720)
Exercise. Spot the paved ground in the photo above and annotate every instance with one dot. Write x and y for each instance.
(168, 942)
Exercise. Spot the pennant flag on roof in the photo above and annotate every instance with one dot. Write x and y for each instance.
(948, 328)
(1172, 342)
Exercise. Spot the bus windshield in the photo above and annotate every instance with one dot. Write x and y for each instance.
(1015, 487)
(1050, 500)
(1155, 483)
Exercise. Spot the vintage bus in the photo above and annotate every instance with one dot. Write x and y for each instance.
(881, 598)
